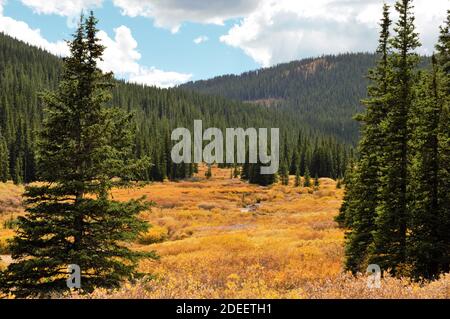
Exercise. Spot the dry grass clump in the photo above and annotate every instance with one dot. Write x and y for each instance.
(155, 234)
(10, 207)
(10, 198)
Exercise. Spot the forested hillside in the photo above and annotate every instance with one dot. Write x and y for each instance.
(323, 93)
(320, 92)
(25, 71)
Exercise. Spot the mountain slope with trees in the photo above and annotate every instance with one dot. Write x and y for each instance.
(323, 93)
(25, 71)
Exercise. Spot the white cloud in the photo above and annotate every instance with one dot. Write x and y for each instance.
(170, 14)
(22, 31)
(201, 39)
(270, 31)
(67, 8)
(284, 30)
(155, 77)
(61, 7)
(121, 55)
(122, 58)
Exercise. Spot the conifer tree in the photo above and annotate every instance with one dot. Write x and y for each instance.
(208, 173)
(389, 248)
(307, 182)
(316, 181)
(443, 61)
(344, 218)
(4, 160)
(362, 197)
(298, 180)
(284, 174)
(83, 151)
(426, 249)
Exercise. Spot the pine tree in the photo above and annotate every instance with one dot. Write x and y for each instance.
(298, 180)
(426, 249)
(443, 61)
(389, 248)
(4, 160)
(83, 151)
(362, 197)
(345, 216)
(284, 174)
(316, 181)
(443, 51)
(307, 182)
(208, 173)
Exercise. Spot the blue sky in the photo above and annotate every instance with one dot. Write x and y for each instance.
(153, 41)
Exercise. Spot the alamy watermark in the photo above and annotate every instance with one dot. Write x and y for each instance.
(74, 279)
(374, 279)
(214, 151)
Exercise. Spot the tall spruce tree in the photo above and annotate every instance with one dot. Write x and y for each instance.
(443, 187)
(389, 248)
(427, 249)
(83, 151)
(362, 199)
(4, 160)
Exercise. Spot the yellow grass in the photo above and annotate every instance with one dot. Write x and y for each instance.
(222, 238)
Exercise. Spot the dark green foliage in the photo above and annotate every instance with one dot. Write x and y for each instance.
(284, 173)
(428, 248)
(307, 182)
(298, 179)
(429, 242)
(4, 160)
(322, 94)
(316, 181)
(83, 151)
(389, 248)
(397, 201)
(208, 173)
(157, 113)
(362, 199)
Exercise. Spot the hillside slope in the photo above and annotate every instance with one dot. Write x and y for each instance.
(321, 92)
(25, 71)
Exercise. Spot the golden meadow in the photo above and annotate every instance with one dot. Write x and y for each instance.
(223, 238)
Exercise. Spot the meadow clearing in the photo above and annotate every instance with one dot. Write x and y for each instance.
(223, 238)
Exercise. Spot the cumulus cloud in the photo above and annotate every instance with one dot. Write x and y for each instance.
(285, 30)
(170, 14)
(121, 55)
(22, 31)
(201, 39)
(155, 77)
(122, 58)
(67, 8)
(61, 7)
(269, 31)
